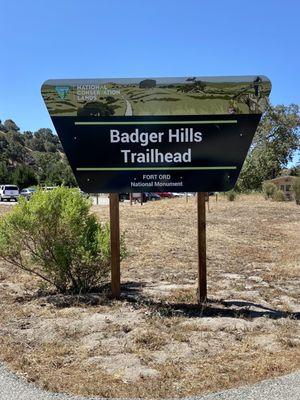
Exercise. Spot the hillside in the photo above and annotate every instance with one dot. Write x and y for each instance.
(29, 158)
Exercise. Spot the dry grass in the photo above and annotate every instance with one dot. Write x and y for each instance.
(157, 342)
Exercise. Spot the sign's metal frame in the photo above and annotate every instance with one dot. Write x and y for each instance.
(159, 134)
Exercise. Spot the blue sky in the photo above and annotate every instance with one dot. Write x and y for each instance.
(98, 38)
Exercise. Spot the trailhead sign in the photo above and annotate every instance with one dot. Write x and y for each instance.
(156, 134)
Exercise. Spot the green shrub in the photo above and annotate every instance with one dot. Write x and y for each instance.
(269, 189)
(55, 237)
(231, 195)
(278, 196)
(296, 190)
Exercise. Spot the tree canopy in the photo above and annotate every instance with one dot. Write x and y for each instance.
(30, 158)
(275, 142)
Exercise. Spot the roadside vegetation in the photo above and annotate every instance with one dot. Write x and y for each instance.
(269, 189)
(231, 195)
(55, 237)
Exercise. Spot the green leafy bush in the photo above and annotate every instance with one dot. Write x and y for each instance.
(55, 237)
(231, 195)
(278, 196)
(296, 190)
(269, 189)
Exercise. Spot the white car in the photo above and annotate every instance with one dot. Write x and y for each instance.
(47, 188)
(27, 193)
(175, 194)
(9, 192)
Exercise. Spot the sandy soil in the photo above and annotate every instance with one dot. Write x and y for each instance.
(157, 342)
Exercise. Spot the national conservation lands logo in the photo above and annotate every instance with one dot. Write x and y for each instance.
(62, 91)
(87, 92)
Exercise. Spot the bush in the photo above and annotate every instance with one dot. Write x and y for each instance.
(296, 190)
(55, 237)
(231, 195)
(278, 196)
(269, 189)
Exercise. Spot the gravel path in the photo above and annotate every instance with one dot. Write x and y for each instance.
(284, 388)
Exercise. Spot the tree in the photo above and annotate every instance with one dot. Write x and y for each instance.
(42, 140)
(53, 169)
(2, 127)
(10, 125)
(4, 173)
(97, 109)
(195, 87)
(61, 174)
(295, 171)
(27, 135)
(147, 84)
(3, 145)
(23, 176)
(275, 142)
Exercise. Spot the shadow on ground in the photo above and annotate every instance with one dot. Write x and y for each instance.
(132, 292)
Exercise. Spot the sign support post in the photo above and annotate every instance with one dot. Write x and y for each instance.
(201, 226)
(115, 244)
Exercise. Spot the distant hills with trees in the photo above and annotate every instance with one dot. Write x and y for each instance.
(31, 158)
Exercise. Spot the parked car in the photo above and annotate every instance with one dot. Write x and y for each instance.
(166, 195)
(49, 187)
(152, 196)
(143, 198)
(27, 193)
(189, 194)
(124, 196)
(175, 194)
(135, 197)
(9, 192)
(84, 194)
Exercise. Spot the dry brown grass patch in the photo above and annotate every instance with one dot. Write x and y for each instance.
(157, 342)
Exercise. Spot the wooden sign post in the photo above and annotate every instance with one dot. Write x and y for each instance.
(115, 244)
(201, 222)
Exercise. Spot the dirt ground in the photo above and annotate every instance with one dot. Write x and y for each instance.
(157, 342)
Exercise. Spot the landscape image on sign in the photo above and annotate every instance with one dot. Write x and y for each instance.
(156, 96)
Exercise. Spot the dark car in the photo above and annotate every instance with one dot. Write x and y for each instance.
(124, 196)
(166, 195)
(143, 198)
(153, 196)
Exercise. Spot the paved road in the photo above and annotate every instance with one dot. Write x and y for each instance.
(8, 203)
(128, 111)
(284, 388)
